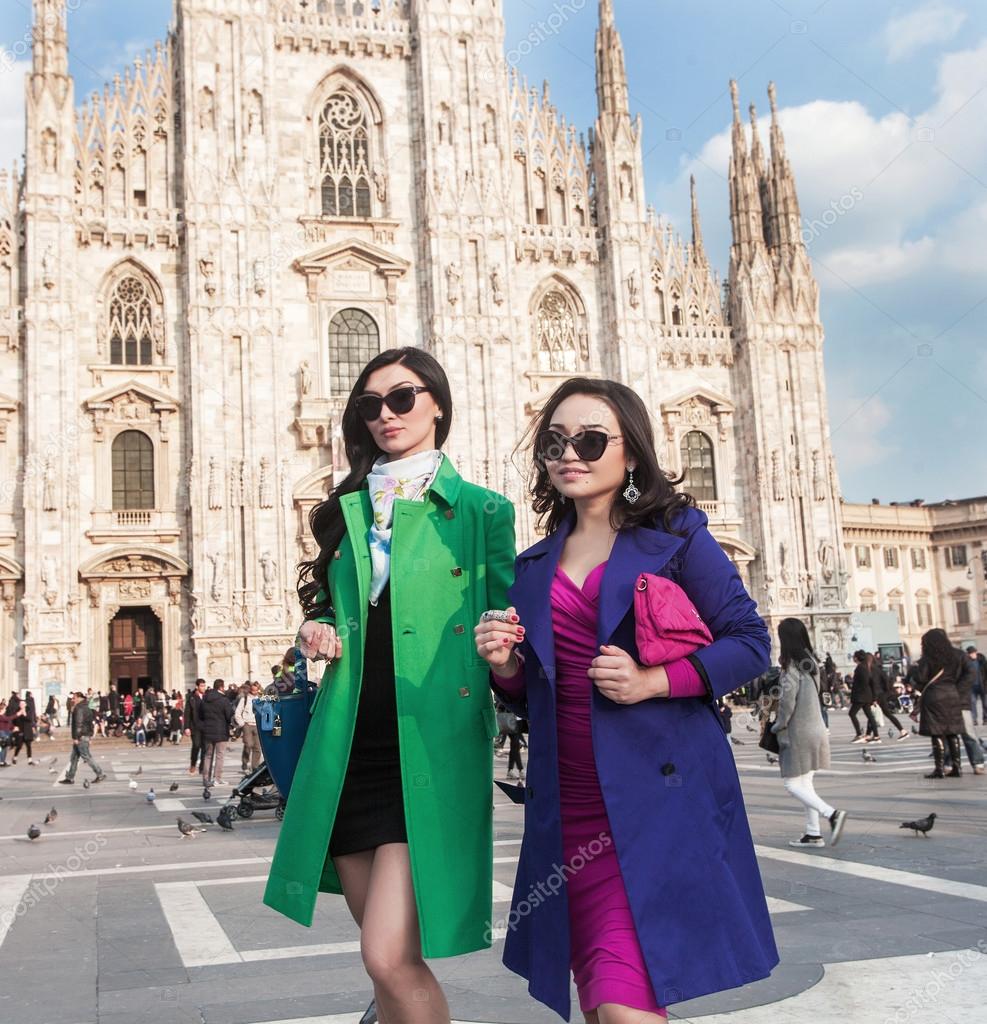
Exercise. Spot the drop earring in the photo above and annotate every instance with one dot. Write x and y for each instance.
(631, 493)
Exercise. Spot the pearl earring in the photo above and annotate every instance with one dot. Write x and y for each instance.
(631, 493)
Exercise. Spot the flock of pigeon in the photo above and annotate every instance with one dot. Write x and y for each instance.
(224, 818)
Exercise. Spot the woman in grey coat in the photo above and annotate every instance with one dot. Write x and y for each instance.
(802, 739)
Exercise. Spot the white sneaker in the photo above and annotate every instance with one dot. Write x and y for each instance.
(512, 774)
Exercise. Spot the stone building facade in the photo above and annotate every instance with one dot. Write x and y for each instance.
(195, 262)
(925, 563)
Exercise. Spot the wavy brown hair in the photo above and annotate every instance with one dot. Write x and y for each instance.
(326, 519)
(659, 499)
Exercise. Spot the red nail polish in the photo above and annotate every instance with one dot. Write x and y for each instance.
(514, 618)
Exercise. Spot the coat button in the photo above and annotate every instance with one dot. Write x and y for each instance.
(457, 571)
(529, 792)
(450, 514)
(459, 629)
(337, 554)
(668, 769)
(464, 691)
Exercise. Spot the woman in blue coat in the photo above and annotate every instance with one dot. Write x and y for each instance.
(637, 868)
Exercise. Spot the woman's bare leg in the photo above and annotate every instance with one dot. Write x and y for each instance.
(405, 988)
(354, 871)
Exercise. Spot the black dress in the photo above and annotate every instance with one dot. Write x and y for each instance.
(371, 805)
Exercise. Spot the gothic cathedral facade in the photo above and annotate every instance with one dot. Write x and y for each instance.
(195, 263)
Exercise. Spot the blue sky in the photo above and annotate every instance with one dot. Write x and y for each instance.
(884, 106)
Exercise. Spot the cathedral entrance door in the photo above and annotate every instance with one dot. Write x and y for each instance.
(135, 650)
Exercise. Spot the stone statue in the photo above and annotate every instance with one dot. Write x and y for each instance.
(218, 568)
(49, 578)
(196, 614)
(496, 286)
(158, 334)
(826, 560)
(776, 488)
(633, 295)
(818, 477)
(269, 570)
(454, 282)
(48, 266)
(304, 378)
(380, 182)
(783, 568)
(49, 150)
(48, 486)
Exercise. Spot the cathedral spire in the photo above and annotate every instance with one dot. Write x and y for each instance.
(786, 218)
(757, 152)
(745, 188)
(611, 77)
(50, 38)
(697, 231)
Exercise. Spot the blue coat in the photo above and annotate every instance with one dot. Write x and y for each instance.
(668, 778)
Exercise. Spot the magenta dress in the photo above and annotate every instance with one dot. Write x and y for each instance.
(607, 963)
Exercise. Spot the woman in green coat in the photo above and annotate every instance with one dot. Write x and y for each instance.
(390, 803)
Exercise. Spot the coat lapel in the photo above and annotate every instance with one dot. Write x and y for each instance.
(634, 551)
(532, 594)
(358, 515)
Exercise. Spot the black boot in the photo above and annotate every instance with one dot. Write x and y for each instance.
(939, 753)
(954, 754)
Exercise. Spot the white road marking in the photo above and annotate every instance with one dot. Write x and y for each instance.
(894, 988)
(199, 937)
(141, 868)
(777, 906)
(877, 873)
(12, 890)
(169, 804)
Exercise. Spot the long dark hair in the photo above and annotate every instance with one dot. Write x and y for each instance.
(796, 646)
(326, 519)
(939, 653)
(658, 495)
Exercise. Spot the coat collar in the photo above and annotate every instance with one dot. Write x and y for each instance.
(446, 485)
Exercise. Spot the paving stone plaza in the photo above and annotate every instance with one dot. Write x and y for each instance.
(111, 917)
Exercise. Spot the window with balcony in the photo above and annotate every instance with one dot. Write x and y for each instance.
(862, 552)
(697, 466)
(354, 340)
(133, 472)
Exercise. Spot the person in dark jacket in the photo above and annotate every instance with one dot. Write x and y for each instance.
(940, 713)
(861, 698)
(964, 688)
(215, 714)
(81, 725)
(881, 685)
(978, 689)
(192, 729)
(6, 736)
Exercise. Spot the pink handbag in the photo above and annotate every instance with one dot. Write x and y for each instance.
(667, 625)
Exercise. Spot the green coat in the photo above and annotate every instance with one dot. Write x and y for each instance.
(452, 556)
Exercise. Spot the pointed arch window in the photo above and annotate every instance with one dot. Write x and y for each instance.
(133, 471)
(557, 333)
(697, 466)
(131, 321)
(354, 339)
(344, 157)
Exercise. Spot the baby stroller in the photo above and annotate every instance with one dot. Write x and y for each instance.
(256, 792)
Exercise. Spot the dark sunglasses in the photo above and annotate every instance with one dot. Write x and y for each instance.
(399, 401)
(589, 445)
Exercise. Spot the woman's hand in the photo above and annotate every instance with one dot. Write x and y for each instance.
(496, 640)
(620, 678)
(318, 640)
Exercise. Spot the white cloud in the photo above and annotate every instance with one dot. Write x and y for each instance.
(862, 265)
(856, 423)
(12, 111)
(926, 26)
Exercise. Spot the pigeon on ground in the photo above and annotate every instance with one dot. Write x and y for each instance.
(772, 759)
(140, 769)
(149, 796)
(51, 816)
(173, 788)
(85, 783)
(750, 728)
(52, 771)
(923, 825)
(188, 831)
(870, 758)
(736, 742)
(132, 784)
(225, 820)
(203, 817)
(33, 832)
